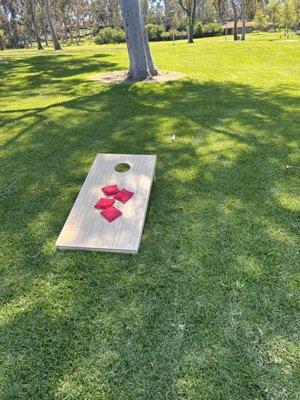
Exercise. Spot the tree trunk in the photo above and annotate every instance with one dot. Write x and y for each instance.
(77, 26)
(192, 21)
(152, 68)
(141, 63)
(168, 16)
(235, 22)
(190, 31)
(56, 43)
(15, 39)
(190, 11)
(34, 23)
(243, 37)
(66, 36)
(45, 32)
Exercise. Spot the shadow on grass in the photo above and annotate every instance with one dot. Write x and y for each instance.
(207, 309)
(42, 70)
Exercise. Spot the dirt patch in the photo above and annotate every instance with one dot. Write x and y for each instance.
(117, 77)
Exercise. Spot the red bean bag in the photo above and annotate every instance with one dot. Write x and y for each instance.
(104, 203)
(111, 213)
(123, 195)
(110, 190)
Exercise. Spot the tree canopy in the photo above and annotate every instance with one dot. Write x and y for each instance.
(24, 22)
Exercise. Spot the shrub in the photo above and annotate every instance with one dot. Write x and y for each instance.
(288, 15)
(169, 35)
(154, 31)
(3, 40)
(213, 29)
(183, 35)
(198, 29)
(109, 36)
(166, 36)
(260, 20)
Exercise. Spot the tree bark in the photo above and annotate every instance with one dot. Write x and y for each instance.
(235, 22)
(56, 43)
(45, 32)
(66, 36)
(15, 39)
(190, 10)
(152, 68)
(168, 17)
(77, 25)
(34, 23)
(243, 37)
(190, 32)
(140, 59)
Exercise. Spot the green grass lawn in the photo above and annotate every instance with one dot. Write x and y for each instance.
(209, 308)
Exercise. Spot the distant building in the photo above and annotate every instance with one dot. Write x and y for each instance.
(249, 27)
(230, 24)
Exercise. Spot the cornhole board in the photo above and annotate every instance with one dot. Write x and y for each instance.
(87, 229)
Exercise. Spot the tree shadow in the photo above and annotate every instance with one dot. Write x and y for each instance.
(42, 70)
(209, 302)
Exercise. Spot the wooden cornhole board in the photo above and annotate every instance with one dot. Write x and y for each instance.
(86, 229)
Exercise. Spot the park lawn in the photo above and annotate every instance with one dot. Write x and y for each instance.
(209, 308)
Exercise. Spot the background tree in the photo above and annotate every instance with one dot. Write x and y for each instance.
(104, 13)
(190, 8)
(260, 20)
(31, 9)
(236, 7)
(297, 14)
(3, 40)
(288, 15)
(221, 10)
(252, 6)
(169, 12)
(141, 64)
(56, 43)
(9, 11)
(243, 11)
(42, 22)
(29, 22)
(273, 10)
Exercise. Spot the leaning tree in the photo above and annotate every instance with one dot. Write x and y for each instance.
(56, 43)
(31, 9)
(141, 63)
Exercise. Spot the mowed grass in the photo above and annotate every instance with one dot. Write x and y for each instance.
(209, 308)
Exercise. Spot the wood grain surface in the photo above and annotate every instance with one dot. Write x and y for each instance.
(86, 229)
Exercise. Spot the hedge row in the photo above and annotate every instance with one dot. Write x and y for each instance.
(157, 32)
(110, 35)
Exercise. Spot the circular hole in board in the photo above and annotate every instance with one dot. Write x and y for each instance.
(122, 167)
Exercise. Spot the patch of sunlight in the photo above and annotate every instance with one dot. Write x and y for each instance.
(36, 103)
(186, 386)
(40, 223)
(228, 148)
(294, 154)
(230, 205)
(16, 307)
(48, 247)
(281, 235)
(261, 116)
(184, 174)
(249, 265)
(54, 299)
(284, 354)
(92, 371)
(290, 201)
(208, 177)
